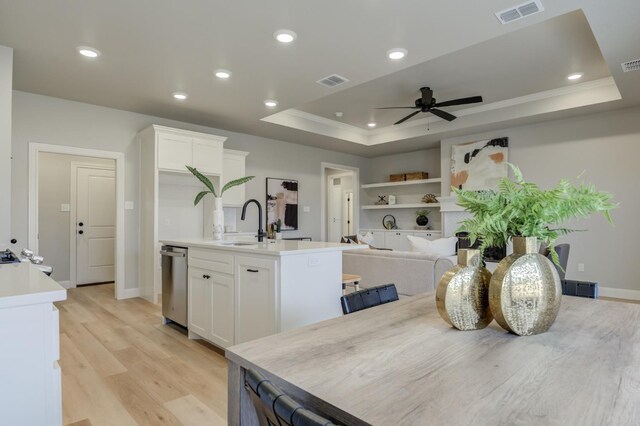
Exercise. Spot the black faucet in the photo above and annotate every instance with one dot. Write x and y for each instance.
(261, 233)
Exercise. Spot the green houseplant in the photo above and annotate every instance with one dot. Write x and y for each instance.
(218, 213)
(522, 209)
(422, 218)
(209, 185)
(525, 289)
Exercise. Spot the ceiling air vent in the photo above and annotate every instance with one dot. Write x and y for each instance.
(332, 80)
(520, 11)
(631, 65)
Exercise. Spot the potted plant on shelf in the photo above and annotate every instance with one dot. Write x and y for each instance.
(421, 217)
(218, 213)
(525, 288)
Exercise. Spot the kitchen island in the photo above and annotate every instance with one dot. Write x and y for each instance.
(241, 290)
(30, 385)
(401, 364)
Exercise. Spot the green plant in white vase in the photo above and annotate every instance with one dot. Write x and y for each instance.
(218, 213)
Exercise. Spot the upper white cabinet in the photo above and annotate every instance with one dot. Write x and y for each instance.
(233, 167)
(174, 151)
(179, 148)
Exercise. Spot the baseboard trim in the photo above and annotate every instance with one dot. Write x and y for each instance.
(65, 284)
(620, 293)
(130, 293)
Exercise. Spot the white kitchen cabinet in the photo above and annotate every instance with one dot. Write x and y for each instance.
(174, 152)
(199, 296)
(222, 309)
(255, 283)
(234, 167)
(207, 156)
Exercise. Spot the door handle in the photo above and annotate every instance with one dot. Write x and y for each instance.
(252, 270)
(172, 253)
(81, 232)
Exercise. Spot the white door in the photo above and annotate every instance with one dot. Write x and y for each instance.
(334, 207)
(95, 225)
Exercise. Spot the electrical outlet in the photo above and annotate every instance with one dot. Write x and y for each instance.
(306, 209)
(128, 205)
(314, 261)
(580, 267)
(65, 207)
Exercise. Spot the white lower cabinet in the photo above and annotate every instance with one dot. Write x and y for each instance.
(255, 298)
(211, 306)
(222, 304)
(397, 240)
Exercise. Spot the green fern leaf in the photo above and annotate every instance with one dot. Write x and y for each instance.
(236, 182)
(202, 178)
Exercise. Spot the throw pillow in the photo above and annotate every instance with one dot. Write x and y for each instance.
(441, 247)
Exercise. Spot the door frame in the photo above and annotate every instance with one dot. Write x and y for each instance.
(73, 216)
(323, 195)
(34, 150)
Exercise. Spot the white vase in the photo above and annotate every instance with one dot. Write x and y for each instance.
(218, 219)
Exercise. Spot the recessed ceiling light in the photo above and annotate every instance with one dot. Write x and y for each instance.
(575, 76)
(396, 54)
(87, 51)
(285, 36)
(372, 124)
(223, 74)
(271, 103)
(180, 96)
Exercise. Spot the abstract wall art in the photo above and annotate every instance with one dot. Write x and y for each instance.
(479, 165)
(282, 203)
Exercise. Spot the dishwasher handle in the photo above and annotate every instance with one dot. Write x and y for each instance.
(172, 253)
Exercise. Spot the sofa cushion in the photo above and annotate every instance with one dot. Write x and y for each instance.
(439, 247)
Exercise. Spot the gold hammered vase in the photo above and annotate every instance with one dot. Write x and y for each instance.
(462, 296)
(525, 290)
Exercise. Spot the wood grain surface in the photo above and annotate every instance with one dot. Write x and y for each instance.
(401, 364)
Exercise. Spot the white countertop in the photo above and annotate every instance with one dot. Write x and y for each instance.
(23, 284)
(277, 248)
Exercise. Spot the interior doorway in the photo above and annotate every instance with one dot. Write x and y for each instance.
(340, 202)
(76, 214)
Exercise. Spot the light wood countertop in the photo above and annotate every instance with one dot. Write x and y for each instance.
(402, 364)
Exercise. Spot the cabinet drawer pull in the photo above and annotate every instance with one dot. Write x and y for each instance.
(252, 270)
(206, 277)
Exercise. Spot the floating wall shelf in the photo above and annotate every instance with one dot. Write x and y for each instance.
(402, 206)
(402, 183)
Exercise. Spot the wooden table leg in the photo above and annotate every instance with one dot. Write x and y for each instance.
(240, 409)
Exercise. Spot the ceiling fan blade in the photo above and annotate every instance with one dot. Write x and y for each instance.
(399, 107)
(442, 114)
(461, 101)
(407, 117)
(427, 95)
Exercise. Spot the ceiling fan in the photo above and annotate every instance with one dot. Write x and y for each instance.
(427, 103)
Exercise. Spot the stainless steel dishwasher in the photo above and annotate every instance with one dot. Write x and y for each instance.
(174, 285)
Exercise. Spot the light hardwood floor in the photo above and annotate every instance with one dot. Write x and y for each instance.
(121, 366)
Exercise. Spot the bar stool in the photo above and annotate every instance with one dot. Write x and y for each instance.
(350, 280)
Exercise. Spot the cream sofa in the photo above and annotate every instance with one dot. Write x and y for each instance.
(411, 272)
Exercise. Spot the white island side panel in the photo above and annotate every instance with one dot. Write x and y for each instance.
(310, 290)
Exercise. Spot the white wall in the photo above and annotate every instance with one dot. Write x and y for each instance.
(55, 121)
(606, 147)
(54, 189)
(6, 84)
